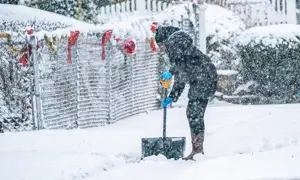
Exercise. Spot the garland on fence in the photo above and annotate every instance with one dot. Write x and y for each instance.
(10, 45)
(51, 44)
(24, 59)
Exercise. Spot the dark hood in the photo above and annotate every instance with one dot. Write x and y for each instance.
(164, 32)
(179, 44)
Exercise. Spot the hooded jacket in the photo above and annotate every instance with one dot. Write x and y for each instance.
(188, 64)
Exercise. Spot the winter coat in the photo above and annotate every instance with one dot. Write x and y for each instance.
(188, 64)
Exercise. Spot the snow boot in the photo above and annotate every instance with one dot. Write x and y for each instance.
(197, 142)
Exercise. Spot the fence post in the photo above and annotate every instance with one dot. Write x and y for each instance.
(33, 103)
(202, 31)
(108, 82)
(37, 90)
(132, 60)
(77, 123)
(291, 12)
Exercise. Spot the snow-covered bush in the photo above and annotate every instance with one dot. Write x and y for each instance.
(270, 56)
(222, 29)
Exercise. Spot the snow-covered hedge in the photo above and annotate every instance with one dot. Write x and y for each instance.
(270, 56)
(222, 29)
(20, 27)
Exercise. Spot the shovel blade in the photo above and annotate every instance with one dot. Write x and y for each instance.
(171, 148)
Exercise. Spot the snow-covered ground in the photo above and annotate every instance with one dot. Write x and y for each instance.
(242, 142)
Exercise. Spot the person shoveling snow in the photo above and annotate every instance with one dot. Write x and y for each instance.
(188, 65)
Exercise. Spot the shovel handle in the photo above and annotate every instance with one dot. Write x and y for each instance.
(166, 85)
(165, 117)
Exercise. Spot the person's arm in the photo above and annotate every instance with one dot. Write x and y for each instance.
(177, 88)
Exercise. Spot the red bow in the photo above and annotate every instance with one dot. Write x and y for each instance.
(72, 40)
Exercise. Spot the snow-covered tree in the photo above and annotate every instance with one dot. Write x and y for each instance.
(89, 11)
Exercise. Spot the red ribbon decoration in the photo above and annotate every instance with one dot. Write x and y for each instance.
(72, 40)
(153, 45)
(129, 46)
(107, 35)
(154, 26)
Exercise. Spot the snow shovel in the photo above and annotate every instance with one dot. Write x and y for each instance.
(170, 147)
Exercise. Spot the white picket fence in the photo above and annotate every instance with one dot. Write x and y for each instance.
(262, 12)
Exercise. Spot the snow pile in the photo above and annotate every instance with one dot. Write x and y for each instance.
(242, 142)
(224, 24)
(222, 29)
(270, 35)
(22, 13)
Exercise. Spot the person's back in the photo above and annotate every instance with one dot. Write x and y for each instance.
(189, 65)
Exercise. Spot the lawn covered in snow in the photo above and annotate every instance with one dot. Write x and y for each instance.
(242, 142)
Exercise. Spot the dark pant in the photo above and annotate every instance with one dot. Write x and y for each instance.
(195, 115)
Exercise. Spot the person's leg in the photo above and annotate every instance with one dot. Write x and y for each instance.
(195, 114)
